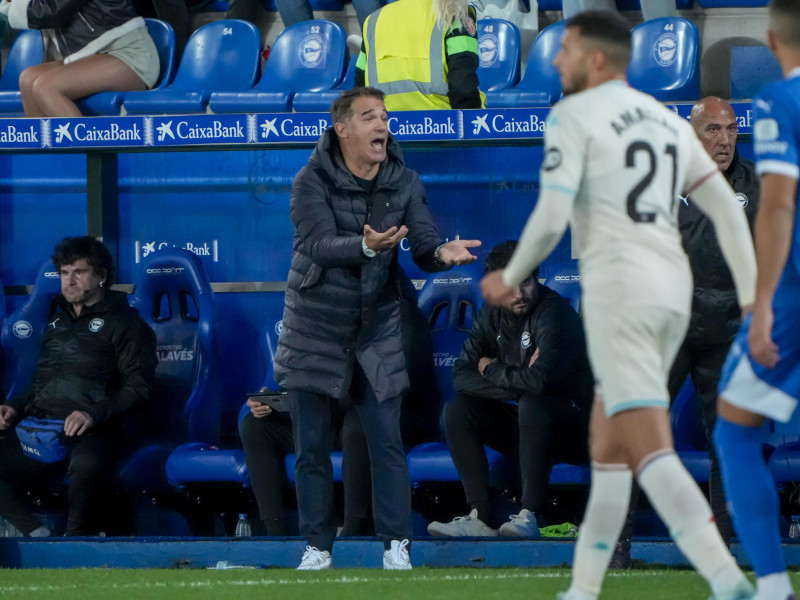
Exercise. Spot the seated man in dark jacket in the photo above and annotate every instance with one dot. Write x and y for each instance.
(523, 387)
(97, 361)
(715, 310)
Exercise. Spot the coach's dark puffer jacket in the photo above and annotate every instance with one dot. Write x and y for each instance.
(341, 306)
(715, 308)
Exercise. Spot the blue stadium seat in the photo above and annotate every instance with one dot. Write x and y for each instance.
(431, 462)
(564, 279)
(450, 301)
(109, 103)
(22, 331)
(195, 463)
(26, 51)
(540, 84)
(752, 68)
(665, 61)
(173, 295)
(784, 441)
(321, 101)
(306, 57)
(223, 55)
(499, 51)
(688, 432)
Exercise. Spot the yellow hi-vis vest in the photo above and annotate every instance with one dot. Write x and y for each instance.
(405, 50)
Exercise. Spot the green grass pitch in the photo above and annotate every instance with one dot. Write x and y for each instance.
(344, 584)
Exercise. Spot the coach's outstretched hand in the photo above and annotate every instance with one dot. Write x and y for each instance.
(494, 289)
(456, 252)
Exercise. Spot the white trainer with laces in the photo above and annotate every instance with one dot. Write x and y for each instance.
(521, 525)
(469, 526)
(315, 559)
(396, 558)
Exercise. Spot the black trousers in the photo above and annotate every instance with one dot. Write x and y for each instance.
(313, 416)
(540, 432)
(266, 443)
(703, 364)
(90, 468)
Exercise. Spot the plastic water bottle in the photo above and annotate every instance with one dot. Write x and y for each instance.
(794, 528)
(243, 526)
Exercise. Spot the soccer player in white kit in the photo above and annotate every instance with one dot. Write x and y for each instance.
(615, 163)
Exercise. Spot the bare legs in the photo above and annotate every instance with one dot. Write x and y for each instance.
(50, 89)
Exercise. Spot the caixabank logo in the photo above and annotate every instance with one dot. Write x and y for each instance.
(295, 127)
(505, 123)
(100, 132)
(424, 126)
(191, 130)
(21, 133)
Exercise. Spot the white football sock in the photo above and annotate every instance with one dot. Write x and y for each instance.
(775, 585)
(598, 534)
(681, 505)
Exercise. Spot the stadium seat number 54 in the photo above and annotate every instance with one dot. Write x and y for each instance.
(227, 31)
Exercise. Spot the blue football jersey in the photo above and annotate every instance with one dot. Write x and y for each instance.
(777, 142)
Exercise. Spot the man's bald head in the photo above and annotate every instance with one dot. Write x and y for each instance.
(714, 122)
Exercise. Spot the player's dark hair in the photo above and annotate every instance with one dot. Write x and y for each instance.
(610, 30)
(341, 110)
(785, 21)
(72, 249)
(500, 256)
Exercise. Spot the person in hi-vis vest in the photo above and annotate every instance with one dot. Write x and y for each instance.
(422, 54)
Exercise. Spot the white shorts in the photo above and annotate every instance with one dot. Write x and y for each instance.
(631, 349)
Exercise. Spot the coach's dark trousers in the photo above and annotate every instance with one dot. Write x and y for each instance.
(313, 416)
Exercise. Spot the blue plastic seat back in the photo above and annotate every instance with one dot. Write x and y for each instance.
(164, 39)
(22, 331)
(540, 74)
(686, 418)
(564, 279)
(223, 55)
(307, 57)
(322, 101)
(499, 53)
(665, 59)
(450, 301)
(26, 51)
(173, 295)
(752, 68)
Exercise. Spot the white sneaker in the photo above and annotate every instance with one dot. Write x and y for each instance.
(354, 44)
(396, 558)
(469, 526)
(521, 525)
(315, 559)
